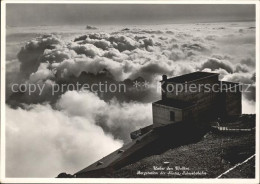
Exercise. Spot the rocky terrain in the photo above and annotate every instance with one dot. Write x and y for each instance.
(214, 154)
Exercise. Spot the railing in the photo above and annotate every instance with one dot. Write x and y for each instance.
(237, 165)
(226, 129)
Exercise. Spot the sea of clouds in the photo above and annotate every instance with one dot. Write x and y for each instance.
(49, 134)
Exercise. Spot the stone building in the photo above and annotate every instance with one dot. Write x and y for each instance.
(196, 97)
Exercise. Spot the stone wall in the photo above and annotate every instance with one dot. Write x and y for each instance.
(232, 98)
(161, 115)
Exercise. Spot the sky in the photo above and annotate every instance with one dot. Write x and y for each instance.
(105, 14)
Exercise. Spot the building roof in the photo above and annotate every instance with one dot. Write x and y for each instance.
(174, 103)
(122, 153)
(190, 77)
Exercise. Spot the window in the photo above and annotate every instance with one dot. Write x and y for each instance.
(172, 116)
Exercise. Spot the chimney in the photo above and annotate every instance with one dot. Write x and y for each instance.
(164, 77)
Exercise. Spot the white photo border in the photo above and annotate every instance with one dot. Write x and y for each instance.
(4, 179)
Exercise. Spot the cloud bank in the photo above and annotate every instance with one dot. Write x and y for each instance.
(63, 139)
(79, 131)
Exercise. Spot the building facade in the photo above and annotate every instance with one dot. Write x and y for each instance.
(196, 96)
